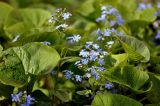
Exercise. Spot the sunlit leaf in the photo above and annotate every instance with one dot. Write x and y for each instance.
(131, 77)
(137, 50)
(32, 58)
(114, 100)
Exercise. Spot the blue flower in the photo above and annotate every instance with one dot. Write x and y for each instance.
(74, 38)
(158, 35)
(78, 78)
(108, 32)
(106, 12)
(93, 55)
(95, 46)
(84, 61)
(91, 69)
(102, 18)
(29, 101)
(120, 21)
(68, 74)
(93, 58)
(84, 53)
(94, 72)
(143, 6)
(66, 15)
(101, 62)
(108, 85)
(46, 43)
(88, 45)
(99, 32)
(96, 75)
(16, 97)
(112, 23)
(101, 68)
(110, 42)
(112, 11)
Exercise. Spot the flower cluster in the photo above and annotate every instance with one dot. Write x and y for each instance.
(106, 33)
(143, 6)
(16, 97)
(106, 12)
(92, 56)
(59, 18)
(70, 75)
(28, 100)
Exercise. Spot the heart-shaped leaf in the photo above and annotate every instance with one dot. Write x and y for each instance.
(114, 100)
(131, 77)
(24, 21)
(33, 58)
(137, 50)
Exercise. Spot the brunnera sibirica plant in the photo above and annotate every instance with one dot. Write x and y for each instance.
(79, 53)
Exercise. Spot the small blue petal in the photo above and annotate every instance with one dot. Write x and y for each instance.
(78, 78)
(108, 85)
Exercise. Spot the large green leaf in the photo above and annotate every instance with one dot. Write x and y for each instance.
(37, 57)
(131, 77)
(154, 95)
(5, 9)
(147, 15)
(114, 100)
(32, 58)
(24, 21)
(87, 5)
(137, 50)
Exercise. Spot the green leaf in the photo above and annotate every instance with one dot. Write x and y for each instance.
(154, 95)
(87, 5)
(26, 20)
(121, 59)
(37, 87)
(69, 59)
(137, 50)
(37, 57)
(114, 100)
(5, 9)
(75, 48)
(147, 15)
(32, 58)
(1, 49)
(153, 104)
(131, 77)
(64, 95)
(84, 92)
